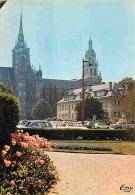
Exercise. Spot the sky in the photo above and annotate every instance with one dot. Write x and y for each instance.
(57, 33)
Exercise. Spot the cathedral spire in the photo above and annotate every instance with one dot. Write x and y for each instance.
(21, 25)
(90, 43)
(20, 35)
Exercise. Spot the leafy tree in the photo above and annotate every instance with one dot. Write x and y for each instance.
(5, 88)
(128, 105)
(9, 115)
(130, 82)
(41, 110)
(91, 106)
(62, 93)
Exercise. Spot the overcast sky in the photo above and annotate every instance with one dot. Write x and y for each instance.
(57, 33)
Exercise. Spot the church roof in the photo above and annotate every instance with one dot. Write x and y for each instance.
(6, 73)
(62, 83)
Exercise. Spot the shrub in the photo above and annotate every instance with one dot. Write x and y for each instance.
(9, 115)
(24, 167)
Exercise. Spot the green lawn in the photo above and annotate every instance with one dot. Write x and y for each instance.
(118, 147)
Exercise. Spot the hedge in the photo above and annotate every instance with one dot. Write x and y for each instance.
(9, 116)
(68, 134)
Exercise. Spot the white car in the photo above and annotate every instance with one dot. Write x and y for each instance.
(101, 126)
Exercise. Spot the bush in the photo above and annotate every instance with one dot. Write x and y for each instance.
(68, 134)
(24, 167)
(9, 115)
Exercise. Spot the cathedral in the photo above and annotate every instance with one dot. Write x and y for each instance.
(26, 82)
(22, 78)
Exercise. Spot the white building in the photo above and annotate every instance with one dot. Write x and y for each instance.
(109, 94)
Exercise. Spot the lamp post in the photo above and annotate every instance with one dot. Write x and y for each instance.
(83, 90)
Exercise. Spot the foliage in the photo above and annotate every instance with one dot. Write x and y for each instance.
(41, 110)
(128, 105)
(130, 82)
(91, 107)
(9, 115)
(82, 146)
(24, 167)
(6, 89)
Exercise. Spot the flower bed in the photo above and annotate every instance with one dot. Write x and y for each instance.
(24, 167)
(81, 146)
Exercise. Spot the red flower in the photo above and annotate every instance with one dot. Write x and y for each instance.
(7, 163)
(12, 183)
(18, 153)
(41, 162)
(7, 148)
(13, 142)
(14, 162)
(4, 152)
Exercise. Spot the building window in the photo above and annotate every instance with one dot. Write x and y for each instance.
(72, 107)
(117, 102)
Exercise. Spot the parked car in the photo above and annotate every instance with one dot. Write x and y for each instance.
(122, 124)
(35, 124)
(101, 126)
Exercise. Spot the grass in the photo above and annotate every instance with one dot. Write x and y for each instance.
(118, 147)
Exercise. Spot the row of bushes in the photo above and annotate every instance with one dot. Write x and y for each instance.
(68, 134)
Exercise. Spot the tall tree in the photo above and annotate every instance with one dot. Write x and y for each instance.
(128, 105)
(130, 82)
(41, 110)
(91, 107)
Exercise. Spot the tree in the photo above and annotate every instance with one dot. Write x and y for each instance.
(5, 88)
(41, 110)
(9, 115)
(91, 107)
(130, 82)
(128, 105)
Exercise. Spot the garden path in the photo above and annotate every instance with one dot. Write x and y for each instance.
(93, 174)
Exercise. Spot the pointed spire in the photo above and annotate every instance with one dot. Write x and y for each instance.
(90, 43)
(21, 25)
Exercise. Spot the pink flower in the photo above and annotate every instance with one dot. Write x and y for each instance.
(41, 162)
(7, 163)
(18, 153)
(54, 144)
(7, 148)
(4, 152)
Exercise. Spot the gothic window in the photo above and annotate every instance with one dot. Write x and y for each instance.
(95, 72)
(91, 71)
(23, 62)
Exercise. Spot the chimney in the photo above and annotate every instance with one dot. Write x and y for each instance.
(110, 86)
